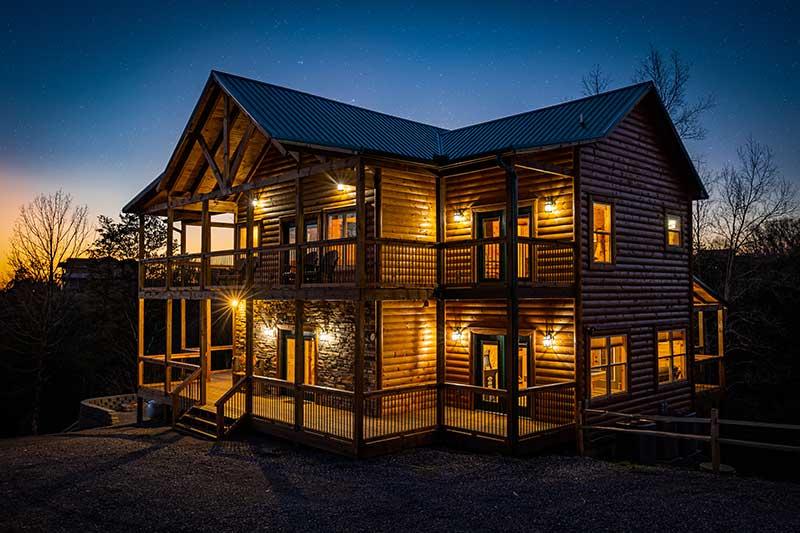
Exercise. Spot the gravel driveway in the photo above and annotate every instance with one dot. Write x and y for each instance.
(127, 478)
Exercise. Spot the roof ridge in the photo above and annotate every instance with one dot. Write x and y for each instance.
(551, 106)
(339, 102)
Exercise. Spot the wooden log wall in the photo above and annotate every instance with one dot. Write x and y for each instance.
(408, 205)
(554, 364)
(649, 288)
(408, 343)
(487, 187)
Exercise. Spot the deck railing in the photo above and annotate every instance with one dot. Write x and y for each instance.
(231, 407)
(188, 392)
(186, 271)
(329, 262)
(152, 374)
(545, 408)
(476, 410)
(328, 412)
(707, 372)
(399, 263)
(399, 412)
(273, 400)
(540, 262)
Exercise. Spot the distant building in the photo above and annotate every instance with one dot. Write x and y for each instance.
(79, 273)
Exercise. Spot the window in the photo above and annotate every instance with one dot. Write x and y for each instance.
(524, 229)
(674, 229)
(608, 365)
(602, 233)
(490, 256)
(341, 225)
(671, 356)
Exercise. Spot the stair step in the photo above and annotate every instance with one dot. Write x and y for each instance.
(200, 423)
(194, 432)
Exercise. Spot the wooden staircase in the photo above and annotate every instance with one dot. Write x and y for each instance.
(198, 422)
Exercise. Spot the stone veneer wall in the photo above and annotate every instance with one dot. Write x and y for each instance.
(334, 325)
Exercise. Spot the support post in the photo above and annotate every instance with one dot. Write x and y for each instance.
(141, 251)
(249, 363)
(205, 247)
(168, 347)
(299, 367)
(170, 251)
(715, 440)
(441, 332)
(579, 337)
(512, 316)
(183, 300)
(140, 345)
(299, 233)
(205, 346)
(361, 283)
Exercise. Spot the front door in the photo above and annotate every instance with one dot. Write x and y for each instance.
(491, 260)
(488, 355)
(286, 363)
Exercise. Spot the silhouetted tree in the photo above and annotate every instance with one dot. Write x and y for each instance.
(595, 81)
(120, 239)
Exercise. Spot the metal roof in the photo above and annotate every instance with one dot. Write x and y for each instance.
(293, 116)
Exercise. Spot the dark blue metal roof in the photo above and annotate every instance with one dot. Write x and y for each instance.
(294, 116)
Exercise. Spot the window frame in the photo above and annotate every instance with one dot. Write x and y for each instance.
(608, 397)
(593, 199)
(670, 329)
(339, 210)
(681, 222)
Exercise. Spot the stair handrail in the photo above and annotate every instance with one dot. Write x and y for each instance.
(176, 394)
(222, 431)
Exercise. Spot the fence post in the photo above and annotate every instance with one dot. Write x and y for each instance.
(581, 422)
(715, 440)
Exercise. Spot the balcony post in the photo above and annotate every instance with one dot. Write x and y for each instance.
(440, 304)
(205, 247)
(183, 300)
(170, 251)
(299, 234)
(205, 346)
(248, 355)
(299, 368)
(512, 283)
(141, 251)
(361, 271)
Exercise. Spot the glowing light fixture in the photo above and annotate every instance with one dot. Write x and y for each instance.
(459, 215)
(234, 303)
(457, 333)
(254, 202)
(325, 336)
(549, 205)
(549, 339)
(340, 186)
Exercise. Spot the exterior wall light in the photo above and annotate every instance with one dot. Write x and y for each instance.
(549, 339)
(459, 216)
(324, 336)
(457, 334)
(549, 205)
(234, 303)
(255, 201)
(340, 186)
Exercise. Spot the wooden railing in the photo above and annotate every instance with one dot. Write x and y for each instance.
(273, 400)
(540, 262)
(186, 271)
(328, 412)
(226, 269)
(231, 407)
(707, 372)
(154, 273)
(406, 264)
(152, 374)
(399, 412)
(188, 393)
(329, 262)
(546, 407)
(476, 410)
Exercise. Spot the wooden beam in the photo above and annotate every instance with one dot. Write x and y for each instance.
(205, 245)
(168, 347)
(358, 378)
(238, 155)
(361, 226)
(212, 164)
(299, 368)
(226, 141)
(205, 346)
(543, 167)
(198, 177)
(257, 163)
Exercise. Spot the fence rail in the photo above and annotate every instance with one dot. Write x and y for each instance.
(273, 400)
(232, 407)
(400, 263)
(546, 407)
(476, 410)
(188, 393)
(328, 412)
(398, 412)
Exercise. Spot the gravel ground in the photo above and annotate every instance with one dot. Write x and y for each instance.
(129, 478)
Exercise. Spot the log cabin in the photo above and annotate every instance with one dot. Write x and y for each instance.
(362, 283)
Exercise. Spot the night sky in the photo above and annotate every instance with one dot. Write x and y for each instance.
(93, 100)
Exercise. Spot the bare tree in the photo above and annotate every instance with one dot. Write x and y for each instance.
(595, 81)
(47, 231)
(751, 195)
(703, 209)
(671, 74)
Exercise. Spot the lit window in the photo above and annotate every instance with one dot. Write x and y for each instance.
(341, 225)
(672, 356)
(674, 232)
(608, 365)
(601, 233)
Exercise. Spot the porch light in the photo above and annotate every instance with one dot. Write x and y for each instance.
(254, 202)
(549, 205)
(548, 340)
(340, 186)
(459, 216)
(457, 333)
(325, 336)
(234, 303)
